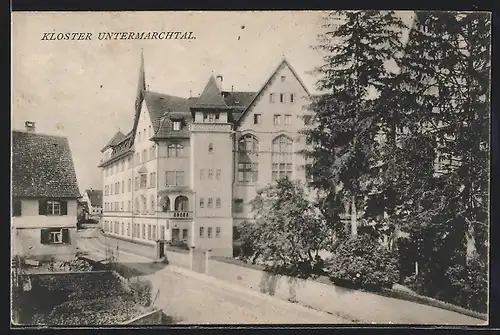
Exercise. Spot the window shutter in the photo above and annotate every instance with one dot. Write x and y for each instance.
(42, 207)
(64, 208)
(17, 207)
(65, 236)
(44, 236)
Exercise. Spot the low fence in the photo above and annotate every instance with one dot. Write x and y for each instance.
(354, 305)
(154, 317)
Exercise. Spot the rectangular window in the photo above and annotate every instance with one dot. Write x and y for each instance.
(282, 97)
(123, 186)
(256, 119)
(283, 78)
(179, 178)
(129, 185)
(123, 228)
(152, 180)
(209, 203)
(277, 119)
(56, 208)
(202, 232)
(217, 232)
(16, 207)
(143, 231)
(202, 203)
(238, 205)
(271, 98)
(117, 188)
(217, 174)
(288, 119)
(54, 236)
(144, 181)
(185, 234)
(217, 202)
(210, 173)
(170, 178)
(248, 172)
(209, 232)
(292, 98)
(202, 174)
(175, 178)
(162, 232)
(154, 232)
(176, 125)
(128, 206)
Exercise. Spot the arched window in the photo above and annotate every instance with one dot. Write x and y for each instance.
(282, 157)
(248, 163)
(248, 144)
(165, 204)
(181, 203)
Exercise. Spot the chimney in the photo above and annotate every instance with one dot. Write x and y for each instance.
(30, 126)
(220, 79)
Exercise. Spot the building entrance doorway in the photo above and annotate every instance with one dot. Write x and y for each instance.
(175, 234)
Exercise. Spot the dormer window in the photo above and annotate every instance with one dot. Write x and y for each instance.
(177, 125)
(211, 117)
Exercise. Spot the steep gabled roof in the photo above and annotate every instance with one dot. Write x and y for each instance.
(163, 110)
(283, 63)
(95, 197)
(211, 96)
(117, 138)
(42, 166)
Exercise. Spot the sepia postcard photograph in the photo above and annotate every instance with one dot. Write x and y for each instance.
(250, 168)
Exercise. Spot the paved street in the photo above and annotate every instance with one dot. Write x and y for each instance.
(190, 297)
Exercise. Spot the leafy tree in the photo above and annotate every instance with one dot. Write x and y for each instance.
(288, 231)
(359, 46)
(441, 99)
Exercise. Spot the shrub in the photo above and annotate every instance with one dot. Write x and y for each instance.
(361, 262)
(142, 291)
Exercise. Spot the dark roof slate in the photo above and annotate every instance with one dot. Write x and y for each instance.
(114, 140)
(211, 96)
(95, 197)
(42, 166)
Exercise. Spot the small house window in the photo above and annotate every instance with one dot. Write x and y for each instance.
(217, 202)
(256, 118)
(54, 236)
(217, 174)
(283, 78)
(217, 232)
(202, 202)
(282, 97)
(209, 232)
(292, 98)
(271, 97)
(209, 204)
(277, 119)
(52, 207)
(210, 173)
(288, 119)
(202, 232)
(177, 125)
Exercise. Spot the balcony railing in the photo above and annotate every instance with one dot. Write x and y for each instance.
(180, 215)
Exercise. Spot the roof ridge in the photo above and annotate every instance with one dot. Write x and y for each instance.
(40, 134)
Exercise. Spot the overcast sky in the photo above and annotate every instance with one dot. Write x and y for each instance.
(85, 90)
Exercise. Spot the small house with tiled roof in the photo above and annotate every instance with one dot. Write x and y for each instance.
(44, 195)
(189, 167)
(93, 198)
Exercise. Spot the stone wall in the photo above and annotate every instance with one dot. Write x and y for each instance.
(355, 305)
